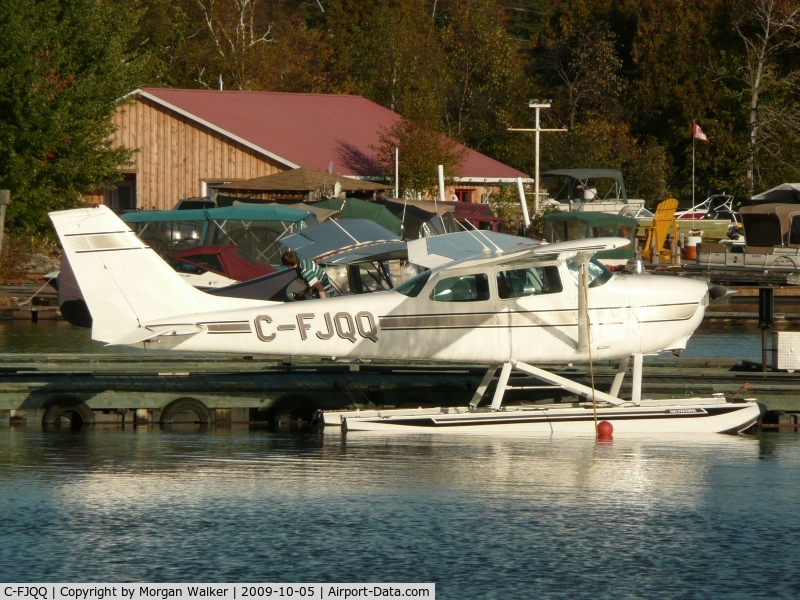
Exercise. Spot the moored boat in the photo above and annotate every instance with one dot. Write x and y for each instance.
(772, 242)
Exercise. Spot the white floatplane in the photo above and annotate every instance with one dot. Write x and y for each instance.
(512, 304)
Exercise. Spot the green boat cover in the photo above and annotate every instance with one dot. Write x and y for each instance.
(353, 208)
(245, 212)
(579, 225)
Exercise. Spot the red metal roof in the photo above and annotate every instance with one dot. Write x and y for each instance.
(308, 130)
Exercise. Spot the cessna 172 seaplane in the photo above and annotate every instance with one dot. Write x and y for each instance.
(510, 303)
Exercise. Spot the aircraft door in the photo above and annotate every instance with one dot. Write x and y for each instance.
(539, 311)
(457, 319)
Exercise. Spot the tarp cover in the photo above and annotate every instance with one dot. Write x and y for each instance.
(248, 212)
(567, 226)
(785, 192)
(353, 208)
(333, 241)
(323, 214)
(422, 217)
(774, 224)
(303, 179)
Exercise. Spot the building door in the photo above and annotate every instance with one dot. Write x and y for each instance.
(122, 197)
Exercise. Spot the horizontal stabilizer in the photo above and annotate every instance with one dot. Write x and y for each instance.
(148, 333)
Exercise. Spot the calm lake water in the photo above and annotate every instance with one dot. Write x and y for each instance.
(698, 517)
(702, 517)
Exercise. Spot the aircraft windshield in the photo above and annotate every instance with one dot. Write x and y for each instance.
(597, 274)
(413, 286)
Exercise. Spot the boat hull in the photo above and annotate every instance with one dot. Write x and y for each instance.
(698, 415)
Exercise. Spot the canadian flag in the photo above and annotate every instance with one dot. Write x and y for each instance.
(698, 134)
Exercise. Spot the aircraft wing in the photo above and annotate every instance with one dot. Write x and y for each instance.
(439, 250)
(551, 251)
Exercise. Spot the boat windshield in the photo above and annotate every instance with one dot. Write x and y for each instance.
(597, 275)
(413, 286)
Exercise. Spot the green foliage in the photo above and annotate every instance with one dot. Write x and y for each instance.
(421, 150)
(162, 28)
(608, 144)
(505, 203)
(387, 51)
(628, 77)
(583, 70)
(484, 89)
(63, 65)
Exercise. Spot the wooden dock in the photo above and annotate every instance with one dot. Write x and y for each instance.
(146, 389)
(31, 299)
(136, 390)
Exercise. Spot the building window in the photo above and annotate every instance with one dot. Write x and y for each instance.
(464, 195)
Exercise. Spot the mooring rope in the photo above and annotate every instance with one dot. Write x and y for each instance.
(24, 302)
(585, 291)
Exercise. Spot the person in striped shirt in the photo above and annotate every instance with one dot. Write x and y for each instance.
(310, 272)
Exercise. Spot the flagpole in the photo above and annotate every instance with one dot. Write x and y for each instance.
(693, 141)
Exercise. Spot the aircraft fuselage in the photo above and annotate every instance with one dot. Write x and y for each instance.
(465, 315)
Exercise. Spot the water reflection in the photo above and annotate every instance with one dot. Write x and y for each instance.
(51, 337)
(700, 516)
(483, 517)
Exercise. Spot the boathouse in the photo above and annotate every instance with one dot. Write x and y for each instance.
(188, 140)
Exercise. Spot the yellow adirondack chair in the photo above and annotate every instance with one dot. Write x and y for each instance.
(663, 220)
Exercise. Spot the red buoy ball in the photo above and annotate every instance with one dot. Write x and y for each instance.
(605, 430)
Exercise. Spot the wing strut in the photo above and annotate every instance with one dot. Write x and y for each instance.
(546, 376)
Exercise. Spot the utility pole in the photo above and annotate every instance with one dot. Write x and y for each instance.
(5, 199)
(537, 105)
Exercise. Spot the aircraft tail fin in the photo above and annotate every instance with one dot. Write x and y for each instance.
(124, 282)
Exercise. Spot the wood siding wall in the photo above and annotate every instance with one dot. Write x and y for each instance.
(175, 155)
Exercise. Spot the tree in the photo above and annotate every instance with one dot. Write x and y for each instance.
(162, 27)
(229, 40)
(421, 149)
(587, 69)
(608, 144)
(280, 46)
(389, 52)
(63, 66)
(482, 85)
(768, 29)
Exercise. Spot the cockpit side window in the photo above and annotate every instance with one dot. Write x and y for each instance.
(533, 281)
(463, 288)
